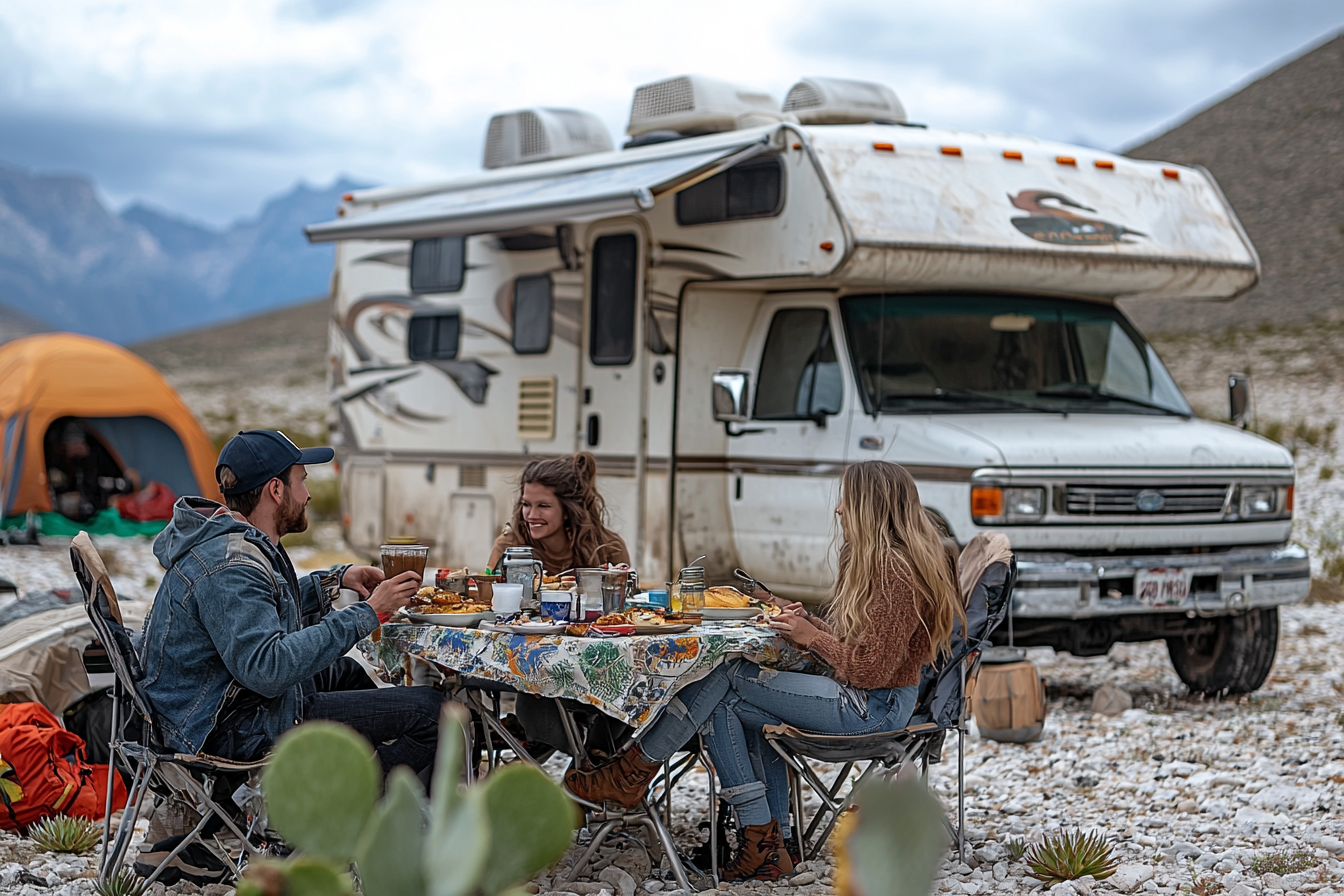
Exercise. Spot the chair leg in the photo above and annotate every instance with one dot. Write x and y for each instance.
(186, 841)
(713, 816)
(961, 793)
(113, 856)
(111, 770)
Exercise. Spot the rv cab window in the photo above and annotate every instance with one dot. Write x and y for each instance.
(800, 376)
(753, 189)
(615, 283)
(434, 335)
(438, 265)
(532, 315)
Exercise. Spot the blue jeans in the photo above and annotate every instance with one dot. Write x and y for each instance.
(733, 703)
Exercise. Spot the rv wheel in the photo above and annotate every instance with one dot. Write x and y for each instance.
(1233, 658)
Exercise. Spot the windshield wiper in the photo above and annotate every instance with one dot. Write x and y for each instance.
(1096, 393)
(971, 395)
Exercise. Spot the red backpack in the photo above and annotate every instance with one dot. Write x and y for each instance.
(43, 771)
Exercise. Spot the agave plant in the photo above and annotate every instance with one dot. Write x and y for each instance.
(61, 833)
(122, 883)
(1016, 847)
(1069, 856)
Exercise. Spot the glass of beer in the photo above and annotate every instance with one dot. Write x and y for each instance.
(400, 558)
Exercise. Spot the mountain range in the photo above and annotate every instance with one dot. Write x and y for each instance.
(68, 262)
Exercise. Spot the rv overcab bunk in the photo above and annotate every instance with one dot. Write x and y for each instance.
(746, 297)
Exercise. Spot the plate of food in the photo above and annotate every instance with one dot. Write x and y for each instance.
(648, 621)
(612, 625)
(726, 602)
(454, 618)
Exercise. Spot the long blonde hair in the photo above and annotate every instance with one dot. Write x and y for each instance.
(885, 528)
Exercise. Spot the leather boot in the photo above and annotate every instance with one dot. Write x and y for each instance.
(761, 855)
(623, 781)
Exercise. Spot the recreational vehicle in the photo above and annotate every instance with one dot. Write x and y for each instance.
(747, 296)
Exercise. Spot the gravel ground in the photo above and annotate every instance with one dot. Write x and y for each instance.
(1196, 795)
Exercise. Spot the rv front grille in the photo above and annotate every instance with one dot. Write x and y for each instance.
(663, 98)
(536, 408)
(532, 136)
(1144, 500)
(802, 96)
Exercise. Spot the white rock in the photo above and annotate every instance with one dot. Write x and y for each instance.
(1284, 798)
(1272, 880)
(1248, 818)
(1110, 700)
(620, 880)
(1127, 878)
(653, 886)
(802, 880)
(1332, 845)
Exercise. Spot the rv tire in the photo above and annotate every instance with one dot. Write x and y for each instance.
(1234, 657)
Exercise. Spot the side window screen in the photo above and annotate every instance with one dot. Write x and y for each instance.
(754, 189)
(800, 375)
(433, 335)
(532, 315)
(611, 328)
(438, 265)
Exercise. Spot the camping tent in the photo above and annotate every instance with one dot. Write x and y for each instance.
(119, 400)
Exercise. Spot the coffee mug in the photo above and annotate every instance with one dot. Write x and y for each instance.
(558, 608)
(507, 598)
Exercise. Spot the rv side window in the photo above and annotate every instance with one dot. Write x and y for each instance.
(611, 328)
(532, 315)
(433, 335)
(754, 189)
(438, 265)
(800, 375)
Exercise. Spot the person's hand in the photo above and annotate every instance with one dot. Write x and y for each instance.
(794, 628)
(795, 608)
(362, 579)
(394, 593)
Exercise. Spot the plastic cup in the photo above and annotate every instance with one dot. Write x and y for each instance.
(507, 598)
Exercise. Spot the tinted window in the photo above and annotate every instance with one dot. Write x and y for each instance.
(611, 328)
(532, 315)
(800, 375)
(438, 265)
(433, 335)
(753, 189)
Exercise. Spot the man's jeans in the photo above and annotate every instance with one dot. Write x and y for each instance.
(401, 723)
(739, 698)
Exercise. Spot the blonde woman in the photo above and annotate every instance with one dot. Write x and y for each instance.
(892, 610)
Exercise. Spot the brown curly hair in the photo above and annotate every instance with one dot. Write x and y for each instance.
(573, 478)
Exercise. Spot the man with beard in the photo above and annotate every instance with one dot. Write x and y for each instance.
(237, 648)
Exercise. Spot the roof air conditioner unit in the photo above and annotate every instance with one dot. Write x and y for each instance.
(538, 135)
(692, 104)
(841, 101)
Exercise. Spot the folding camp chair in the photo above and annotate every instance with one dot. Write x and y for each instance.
(189, 780)
(941, 707)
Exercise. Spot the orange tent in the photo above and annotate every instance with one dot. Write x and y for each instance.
(116, 396)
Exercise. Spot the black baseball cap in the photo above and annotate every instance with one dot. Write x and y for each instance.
(260, 455)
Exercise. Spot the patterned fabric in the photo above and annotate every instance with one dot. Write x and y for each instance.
(630, 678)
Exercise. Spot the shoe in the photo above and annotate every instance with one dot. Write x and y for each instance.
(624, 781)
(761, 855)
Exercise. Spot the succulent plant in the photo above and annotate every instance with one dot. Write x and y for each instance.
(321, 790)
(62, 833)
(1016, 847)
(121, 883)
(891, 843)
(1069, 856)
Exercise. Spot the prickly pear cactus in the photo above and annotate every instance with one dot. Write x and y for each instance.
(890, 845)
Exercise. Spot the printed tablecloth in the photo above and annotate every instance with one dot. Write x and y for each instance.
(629, 678)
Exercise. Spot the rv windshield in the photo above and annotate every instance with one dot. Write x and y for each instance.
(971, 354)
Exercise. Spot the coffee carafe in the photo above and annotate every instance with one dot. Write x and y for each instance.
(519, 567)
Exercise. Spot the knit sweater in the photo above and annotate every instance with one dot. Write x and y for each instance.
(891, 649)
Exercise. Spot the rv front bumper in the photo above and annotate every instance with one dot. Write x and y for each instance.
(1063, 586)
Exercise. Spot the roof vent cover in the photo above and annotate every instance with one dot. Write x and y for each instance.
(841, 101)
(693, 104)
(538, 135)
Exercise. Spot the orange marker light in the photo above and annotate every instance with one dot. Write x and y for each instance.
(1171, 173)
(884, 147)
(951, 150)
(1012, 154)
(1066, 160)
(347, 197)
(986, 500)
(1105, 164)
(797, 146)
(827, 246)
(1288, 502)
(340, 212)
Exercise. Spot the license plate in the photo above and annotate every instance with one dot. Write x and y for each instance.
(1162, 587)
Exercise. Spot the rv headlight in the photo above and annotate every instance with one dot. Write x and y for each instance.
(1258, 500)
(992, 504)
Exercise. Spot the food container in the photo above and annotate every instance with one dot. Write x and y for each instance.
(507, 598)
(557, 604)
(456, 581)
(400, 558)
(692, 590)
(485, 586)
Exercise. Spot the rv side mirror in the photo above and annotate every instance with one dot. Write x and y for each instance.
(730, 389)
(1239, 399)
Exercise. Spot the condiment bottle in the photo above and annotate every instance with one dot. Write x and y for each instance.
(692, 590)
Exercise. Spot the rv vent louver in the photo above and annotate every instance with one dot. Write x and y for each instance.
(538, 135)
(691, 104)
(536, 408)
(841, 101)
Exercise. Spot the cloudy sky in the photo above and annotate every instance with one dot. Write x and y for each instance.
(205, 108)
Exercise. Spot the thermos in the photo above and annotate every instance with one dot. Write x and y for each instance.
(520, 568)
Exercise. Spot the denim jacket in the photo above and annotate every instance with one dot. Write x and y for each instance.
(231, 614)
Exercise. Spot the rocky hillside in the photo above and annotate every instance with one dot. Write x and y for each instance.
(72, 263)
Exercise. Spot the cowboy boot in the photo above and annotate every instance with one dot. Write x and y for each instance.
(761, 855)
(623, 781)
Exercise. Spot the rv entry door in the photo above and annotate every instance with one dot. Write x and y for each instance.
(611, 400)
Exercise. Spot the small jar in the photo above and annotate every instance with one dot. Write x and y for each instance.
(692, 589)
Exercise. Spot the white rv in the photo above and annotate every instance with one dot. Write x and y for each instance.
(745, 298)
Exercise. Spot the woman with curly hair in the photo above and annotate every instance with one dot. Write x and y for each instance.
(561, 517)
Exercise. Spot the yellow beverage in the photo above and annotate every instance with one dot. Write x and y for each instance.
(674, 596)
